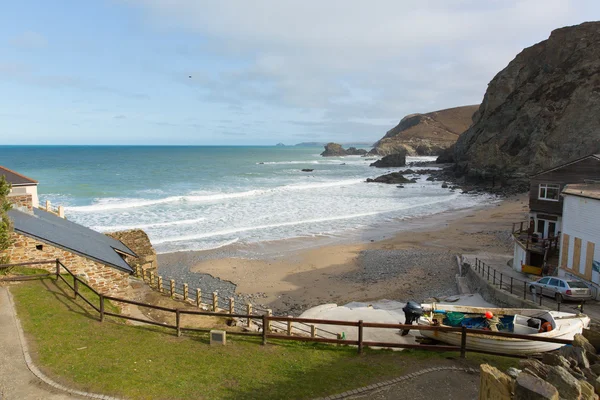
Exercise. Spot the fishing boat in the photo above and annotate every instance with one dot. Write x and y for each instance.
(531, 322)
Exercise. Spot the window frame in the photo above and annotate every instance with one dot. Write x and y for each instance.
(545, 187)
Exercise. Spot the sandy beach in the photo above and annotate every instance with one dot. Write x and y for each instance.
(416, 262)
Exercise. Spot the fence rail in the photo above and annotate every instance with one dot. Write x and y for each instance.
(266, 322)
(517, 286)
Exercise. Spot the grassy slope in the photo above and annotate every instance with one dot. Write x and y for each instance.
(146, 362)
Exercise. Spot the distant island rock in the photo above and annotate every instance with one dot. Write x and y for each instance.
(393, 178)
(426, 134)
(393, 160)
(336, 150)
(307, 170)
(310, 144)
(540, 111)
(280, 145)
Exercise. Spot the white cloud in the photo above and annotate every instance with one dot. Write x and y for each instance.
(368, 59)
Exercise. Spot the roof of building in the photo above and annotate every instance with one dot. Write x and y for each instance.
(596, 156)
(49, 228)
(590, 190)
(15, 178)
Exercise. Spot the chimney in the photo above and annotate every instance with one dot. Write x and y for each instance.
(22, 202)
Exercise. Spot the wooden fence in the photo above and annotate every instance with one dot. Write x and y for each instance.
(267, 320)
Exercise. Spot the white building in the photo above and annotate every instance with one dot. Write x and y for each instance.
(21, 185)
(580, 248)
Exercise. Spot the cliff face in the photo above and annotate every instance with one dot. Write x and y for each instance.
(543, 109)
(426, 134)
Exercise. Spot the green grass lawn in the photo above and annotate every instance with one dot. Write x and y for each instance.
(139, 362)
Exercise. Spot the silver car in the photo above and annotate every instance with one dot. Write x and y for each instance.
(561, 288)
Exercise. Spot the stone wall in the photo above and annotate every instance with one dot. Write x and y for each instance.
(21, 201)
(137, 240)
(105, 279)
(491, 294)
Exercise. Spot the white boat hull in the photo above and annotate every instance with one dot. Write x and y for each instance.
(565, 326)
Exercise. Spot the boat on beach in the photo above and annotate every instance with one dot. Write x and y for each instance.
(536, 323)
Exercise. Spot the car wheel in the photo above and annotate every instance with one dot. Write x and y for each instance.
(558, 297)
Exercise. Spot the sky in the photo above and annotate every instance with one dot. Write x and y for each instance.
(239, 72)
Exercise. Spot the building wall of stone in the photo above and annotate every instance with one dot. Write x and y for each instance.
(103, 278)
(21, 200)
(139, 242)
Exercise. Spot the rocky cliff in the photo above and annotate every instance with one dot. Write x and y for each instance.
(336, 150)
(426, 134)
(543, 109)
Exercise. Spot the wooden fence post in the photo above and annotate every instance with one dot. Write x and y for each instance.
(185, 292)
(360, 336)
(57, 268)
(160, 284)
(178, 322)
(215, 303)
(264, 332)
(289, 326)
(75, 286)
(249, 312)
(231, 305)
(101, 308)
(313, 330)
(151, 278)
(269, 314)
(172, 288)
(463, 341)
(198, 297)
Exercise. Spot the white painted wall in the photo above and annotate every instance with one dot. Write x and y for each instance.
(29, 189)
(519, 256)
(581, 219)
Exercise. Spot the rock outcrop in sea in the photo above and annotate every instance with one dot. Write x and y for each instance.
(541, 110)
(426, 134)
(393, 178)
(336, 150)
(393, 160)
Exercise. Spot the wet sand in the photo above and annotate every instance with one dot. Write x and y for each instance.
(414, 263)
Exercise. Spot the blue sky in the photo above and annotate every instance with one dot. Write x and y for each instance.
(252, 72)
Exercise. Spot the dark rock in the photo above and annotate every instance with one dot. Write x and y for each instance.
(577, 354)
(400, 186)
(333, 150)
(353, 151)
(430, 179)
(580, 341)
(555, 360)
(446, 156)
(444, 185)
(393, 178)
(593, 337)
(392, 160)
(280, 145)
(407, 171)
(534, 367)
(529, 387)
(568, 387)
(536, 112)
(307, 170)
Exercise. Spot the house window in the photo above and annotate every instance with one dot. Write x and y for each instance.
(549, 191)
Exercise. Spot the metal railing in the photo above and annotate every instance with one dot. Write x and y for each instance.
(518, 287)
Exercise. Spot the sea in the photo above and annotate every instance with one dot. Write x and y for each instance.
(207, 197)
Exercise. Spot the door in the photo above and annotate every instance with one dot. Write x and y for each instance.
(542, 285)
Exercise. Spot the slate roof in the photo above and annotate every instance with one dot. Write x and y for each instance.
(49, 228)
(590, 190)
(596, 156)
(15, 178)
